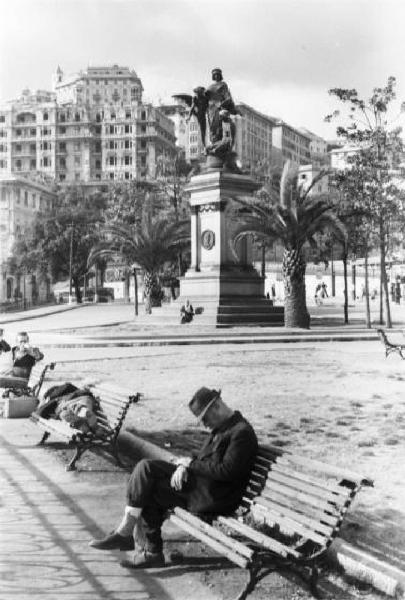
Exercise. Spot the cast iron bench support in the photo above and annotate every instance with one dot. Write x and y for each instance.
(111, 413)
(389, 347)
(296, 505)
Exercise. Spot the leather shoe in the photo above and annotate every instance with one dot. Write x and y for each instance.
(145, 560)
(114, 541)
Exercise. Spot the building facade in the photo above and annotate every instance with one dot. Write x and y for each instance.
(20, 199)
(91, 127)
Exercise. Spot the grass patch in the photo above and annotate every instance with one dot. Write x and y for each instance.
(391, 441)
(367, 443)
(342, 422)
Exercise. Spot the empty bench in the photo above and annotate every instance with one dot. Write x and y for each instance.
(111, 411)
(390, 347)
(292, 510)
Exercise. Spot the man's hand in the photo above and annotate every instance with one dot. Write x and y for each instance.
(179, 477)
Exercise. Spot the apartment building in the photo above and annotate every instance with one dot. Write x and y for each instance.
(254, 137)
(92, 127)
(290, 144)
(187, 132)
(20, 199)
(318, 149)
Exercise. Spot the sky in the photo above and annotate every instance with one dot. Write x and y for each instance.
(279, 56)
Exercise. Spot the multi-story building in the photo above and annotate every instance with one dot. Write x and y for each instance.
(254, 137)
(92, 127)
(187, 131)
(306, 176)
(20, 199)
(318, 149)
(290, 144)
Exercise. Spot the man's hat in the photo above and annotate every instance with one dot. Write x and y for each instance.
(216, 70)
(202, 400)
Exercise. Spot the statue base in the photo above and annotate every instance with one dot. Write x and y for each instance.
(223, 288)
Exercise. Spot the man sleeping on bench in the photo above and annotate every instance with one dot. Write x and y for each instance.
(210, 483)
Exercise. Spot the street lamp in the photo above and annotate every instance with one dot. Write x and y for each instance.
(134, 267)
(70, 262)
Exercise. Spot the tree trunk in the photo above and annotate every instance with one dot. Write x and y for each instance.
(366, 285)
(135, 293)
(384, 281)
(147, 291)
(76, 285)
(345, 291)
(126, 287)
(295, 304)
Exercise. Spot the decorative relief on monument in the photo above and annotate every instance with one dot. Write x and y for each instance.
(208, 239)
(211, 207)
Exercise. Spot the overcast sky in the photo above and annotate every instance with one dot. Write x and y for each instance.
(279, 56)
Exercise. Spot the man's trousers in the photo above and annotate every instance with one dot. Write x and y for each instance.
(149, 488)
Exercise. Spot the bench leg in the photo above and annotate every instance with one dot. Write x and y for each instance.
(44, 438)
(250, 585)
(313, 582)
(116, 455)
(72, 465)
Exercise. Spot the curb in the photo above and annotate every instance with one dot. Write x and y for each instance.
(44, 314)
(355, 563)
(204, 341)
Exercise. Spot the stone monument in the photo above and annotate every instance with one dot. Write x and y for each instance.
(223, 286)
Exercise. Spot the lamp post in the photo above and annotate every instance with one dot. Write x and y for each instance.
(133, 268)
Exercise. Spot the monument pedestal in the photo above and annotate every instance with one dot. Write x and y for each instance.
(222, 286)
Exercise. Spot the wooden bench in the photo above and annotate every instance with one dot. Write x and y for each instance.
(111, 413)
(34, 383)
(292, 509)
(389, 347)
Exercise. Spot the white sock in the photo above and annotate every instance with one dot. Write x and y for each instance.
(131, 515)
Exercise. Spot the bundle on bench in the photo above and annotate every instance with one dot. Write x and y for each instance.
(111, 410)
(389, 346)
(292, 509)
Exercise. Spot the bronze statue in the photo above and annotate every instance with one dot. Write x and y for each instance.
(215, 106)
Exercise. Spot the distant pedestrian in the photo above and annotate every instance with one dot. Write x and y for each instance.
(324, 292)
(318, 298)
(273, 291)
(186, 312)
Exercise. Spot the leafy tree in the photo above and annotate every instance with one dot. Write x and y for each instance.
(59, 242)
(150, 244)
(379, 148)
(294, 217)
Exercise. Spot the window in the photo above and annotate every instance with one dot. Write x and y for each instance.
(77, 161)
(113, 115)
(25, 198)
(62, 130)
(33, 164)
(128, 160)
(143, 129)
(77, 176)
(76, 146)
(98, 117)
(62, 118)
(46, 161)
(143, 115)
(62, 177)
(18, 165)
(62, 146)
(128, 144)
(45, 146)
(45, 116)
(3, 164)
(3, 148)
(77, 116)
(111, 175)
(33, 200)
(98, 147)
(98, 164)
(112, 145)
(18, 132)
(2, 118)
(112, 161)
(33, 132)
(62, 162)
(143, 144)
(128, 129)
(126, 175)
(128, 114)
(18, 148)
(111, 129)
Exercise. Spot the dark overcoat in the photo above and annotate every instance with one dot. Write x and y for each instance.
(220, 471)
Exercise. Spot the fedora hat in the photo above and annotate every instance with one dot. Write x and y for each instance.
(202, 400)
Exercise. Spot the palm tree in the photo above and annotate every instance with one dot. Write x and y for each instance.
(149, 244)
(294, 217)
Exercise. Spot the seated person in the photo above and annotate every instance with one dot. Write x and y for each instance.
(187, 312)
(212, 482)
(24, 357)
(4, 347)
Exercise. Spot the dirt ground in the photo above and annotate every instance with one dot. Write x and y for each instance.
(343, 403)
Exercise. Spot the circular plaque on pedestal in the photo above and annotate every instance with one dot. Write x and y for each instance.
(208, 239)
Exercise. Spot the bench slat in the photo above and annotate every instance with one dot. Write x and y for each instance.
(273, 516)
(315, 465)
(300, 486)
(304, 519)
(305, 509)
(221, 537)
(300, 496)
(213, 543)
(259, 538)
(56, 426)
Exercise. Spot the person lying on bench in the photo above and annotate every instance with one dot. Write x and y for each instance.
(209, 484)
(24, 357)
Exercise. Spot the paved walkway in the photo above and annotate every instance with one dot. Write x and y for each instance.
(47, 517)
